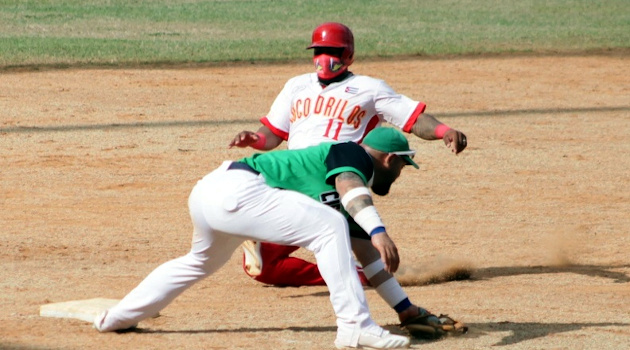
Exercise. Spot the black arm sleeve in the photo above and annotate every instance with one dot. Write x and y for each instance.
(348, 156)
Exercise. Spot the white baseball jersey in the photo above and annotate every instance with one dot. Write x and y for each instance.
(306, 114)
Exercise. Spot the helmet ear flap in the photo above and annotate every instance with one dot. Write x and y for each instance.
(348, 61)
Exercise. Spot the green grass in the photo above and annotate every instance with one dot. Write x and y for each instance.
(116, 32)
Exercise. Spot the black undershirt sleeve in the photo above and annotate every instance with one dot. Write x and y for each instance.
(349, 156)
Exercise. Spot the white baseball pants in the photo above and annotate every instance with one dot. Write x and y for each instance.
(230, 206)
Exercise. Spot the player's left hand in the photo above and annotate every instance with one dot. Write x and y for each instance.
(243, 139)
(455, 140)
(389, 253)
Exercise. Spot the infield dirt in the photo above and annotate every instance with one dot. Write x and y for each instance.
(97, 165)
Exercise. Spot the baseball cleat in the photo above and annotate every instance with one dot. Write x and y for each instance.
(252, 260)
(99, 321)
(385, 340)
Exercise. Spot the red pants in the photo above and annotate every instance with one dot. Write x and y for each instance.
(280, 269)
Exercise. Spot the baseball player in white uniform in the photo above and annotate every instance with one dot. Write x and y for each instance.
(333, 105)
(285, 197)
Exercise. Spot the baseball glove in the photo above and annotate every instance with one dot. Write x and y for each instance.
(429, 326)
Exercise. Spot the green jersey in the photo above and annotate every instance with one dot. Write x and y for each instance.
(312, 170)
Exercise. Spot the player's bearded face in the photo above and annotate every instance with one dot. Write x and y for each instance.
(328, 66)
(385, 174)
(383, 179)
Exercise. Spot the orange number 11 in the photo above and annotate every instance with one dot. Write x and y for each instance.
(337, 130)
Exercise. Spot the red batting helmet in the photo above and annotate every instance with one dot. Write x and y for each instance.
(332, 34)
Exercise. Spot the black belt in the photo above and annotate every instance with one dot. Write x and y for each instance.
(242, 166)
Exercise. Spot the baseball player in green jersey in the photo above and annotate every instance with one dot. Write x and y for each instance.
(289, 197)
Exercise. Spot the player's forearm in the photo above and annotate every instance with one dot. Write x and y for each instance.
(425, 127)
(348, 181)
(357, 200)
(271, 140)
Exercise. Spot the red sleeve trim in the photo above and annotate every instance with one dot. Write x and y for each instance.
(281, 134)
(414, 117)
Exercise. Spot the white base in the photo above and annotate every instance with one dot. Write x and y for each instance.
(85, 310)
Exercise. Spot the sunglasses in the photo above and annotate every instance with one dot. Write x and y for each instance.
(411, 153)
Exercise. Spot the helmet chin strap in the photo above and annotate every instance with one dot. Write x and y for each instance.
(328, 67)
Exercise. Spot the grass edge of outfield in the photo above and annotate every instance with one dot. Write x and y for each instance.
(610, 52)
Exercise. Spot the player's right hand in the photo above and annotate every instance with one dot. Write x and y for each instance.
(389, 253)
(244, 139)
(455, 140)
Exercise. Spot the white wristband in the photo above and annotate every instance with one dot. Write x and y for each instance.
(354, 193)
(368, 219)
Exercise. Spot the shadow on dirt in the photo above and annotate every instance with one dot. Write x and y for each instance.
(200, 123)
(331, 329)
(520, 332)
(7, 346)
(586, 270)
